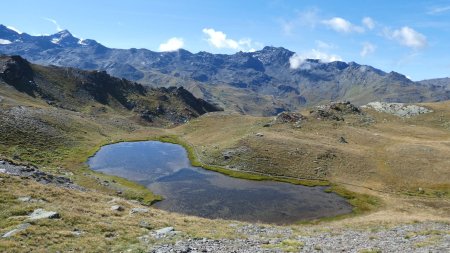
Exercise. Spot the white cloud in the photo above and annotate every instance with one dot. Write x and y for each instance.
(341, 25)
(367, 49)
(368, 22)
(58, 27)
(297, 60)
(172, 44)
(4, 42)
(14, 29)
(407, 36)
(218, 39)
(438, 10)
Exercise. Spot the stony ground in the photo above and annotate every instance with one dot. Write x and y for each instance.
(418, 237)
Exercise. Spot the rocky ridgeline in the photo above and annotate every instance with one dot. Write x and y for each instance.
(398, 109)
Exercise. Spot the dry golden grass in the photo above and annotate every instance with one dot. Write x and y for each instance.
(393, 154)
(102, 230)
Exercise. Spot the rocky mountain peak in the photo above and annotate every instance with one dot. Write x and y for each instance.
(64, 38)
(273, 55)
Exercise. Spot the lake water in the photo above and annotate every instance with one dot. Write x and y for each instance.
(165, 169)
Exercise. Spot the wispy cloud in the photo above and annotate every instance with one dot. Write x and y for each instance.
(57, 26)
(296, 61)
(341, 25)
(308, 18)
(324, 45)
(407, 36)
(368, 22)
(438, 10)
(368, 48)
(219, 39)
(173, 44)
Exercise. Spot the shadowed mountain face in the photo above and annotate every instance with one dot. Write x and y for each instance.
(261, 82)
(98, 92)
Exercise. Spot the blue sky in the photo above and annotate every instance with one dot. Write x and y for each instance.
(410, 37)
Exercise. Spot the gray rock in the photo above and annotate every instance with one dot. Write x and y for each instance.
(18, 229)
(117, 208)
(139, 210)
(43, 214)
(24, 199)
(259, 134)
(163, 231)
(398, 109)
(145, 224)
(77, 232)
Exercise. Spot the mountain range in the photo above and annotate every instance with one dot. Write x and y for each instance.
(259, 83)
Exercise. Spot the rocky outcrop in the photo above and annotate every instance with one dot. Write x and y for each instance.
(334, 111)
(17, 72)
(39, 214)
(289, 117)
(398, 109)
(37, 175)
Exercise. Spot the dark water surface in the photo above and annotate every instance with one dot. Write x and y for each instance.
(165, 169)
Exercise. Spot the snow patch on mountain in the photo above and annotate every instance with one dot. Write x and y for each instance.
(5, 42)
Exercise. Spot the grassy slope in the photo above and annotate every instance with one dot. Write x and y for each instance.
(391, 155)
(372, 163)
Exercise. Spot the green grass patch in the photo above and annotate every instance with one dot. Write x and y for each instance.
(362, 203)
(287, 245)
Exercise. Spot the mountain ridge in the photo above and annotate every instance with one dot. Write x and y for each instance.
(261, 82)
(98, 92)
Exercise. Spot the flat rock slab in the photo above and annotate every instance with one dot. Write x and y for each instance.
(398, 109)
(18, 229)
(139, 210)
(164, 231)
(43, 214)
